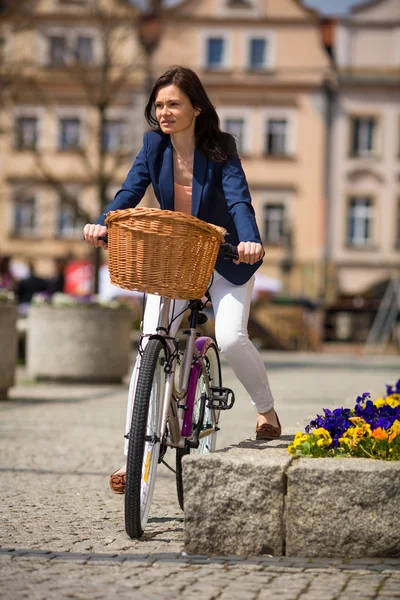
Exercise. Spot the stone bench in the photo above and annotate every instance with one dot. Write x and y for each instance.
(254, 498)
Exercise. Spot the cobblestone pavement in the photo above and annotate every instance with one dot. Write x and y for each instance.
(62, 533)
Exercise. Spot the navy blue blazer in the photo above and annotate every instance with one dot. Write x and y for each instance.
(220, 195)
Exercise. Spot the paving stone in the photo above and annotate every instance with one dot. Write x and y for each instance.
(58, 445)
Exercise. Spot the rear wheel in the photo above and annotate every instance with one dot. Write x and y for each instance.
(144, 440)
(210, 420)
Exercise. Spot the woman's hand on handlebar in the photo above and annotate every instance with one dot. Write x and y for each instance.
(91, 234)
(249, 252)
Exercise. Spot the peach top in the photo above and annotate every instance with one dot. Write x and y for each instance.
(183, 198)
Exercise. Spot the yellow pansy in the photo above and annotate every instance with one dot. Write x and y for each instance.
(324, 435)
(394, 431)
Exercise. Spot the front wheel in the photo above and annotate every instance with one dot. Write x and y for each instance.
(210, 420)
(144, 438)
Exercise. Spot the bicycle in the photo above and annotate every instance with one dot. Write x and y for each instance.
(183, 415)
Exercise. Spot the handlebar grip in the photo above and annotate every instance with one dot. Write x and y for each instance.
(103, 238)
(229, 251)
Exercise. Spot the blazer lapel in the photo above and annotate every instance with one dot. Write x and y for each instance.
(167, 178)
(199, 175)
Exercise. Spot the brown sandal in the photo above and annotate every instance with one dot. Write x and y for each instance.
(117, 482)
(268, 432)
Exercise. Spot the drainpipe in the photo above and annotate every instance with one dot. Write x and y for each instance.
(330, 93)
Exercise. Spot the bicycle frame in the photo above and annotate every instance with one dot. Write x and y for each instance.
(179, 416)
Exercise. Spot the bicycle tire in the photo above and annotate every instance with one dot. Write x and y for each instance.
(208, 443)
(142, 458)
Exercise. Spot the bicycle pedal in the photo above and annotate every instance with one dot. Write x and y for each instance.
(221, 398)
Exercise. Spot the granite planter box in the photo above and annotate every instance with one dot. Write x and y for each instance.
(343, 507)
(79, 343)
(255, 498)
(234, 500)
(8, 347)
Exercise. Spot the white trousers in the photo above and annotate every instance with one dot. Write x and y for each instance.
(231, 304)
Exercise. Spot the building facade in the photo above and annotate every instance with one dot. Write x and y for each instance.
(71, 121)
(264, 67)
(364, 196)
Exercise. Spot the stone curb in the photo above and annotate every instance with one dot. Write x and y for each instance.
(254, 498)
(273, 563)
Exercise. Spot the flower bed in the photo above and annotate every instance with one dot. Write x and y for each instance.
(370, 430)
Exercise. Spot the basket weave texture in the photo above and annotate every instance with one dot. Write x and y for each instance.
(162, 252)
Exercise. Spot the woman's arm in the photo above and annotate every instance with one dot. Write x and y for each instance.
(238, 199)
(134, 186)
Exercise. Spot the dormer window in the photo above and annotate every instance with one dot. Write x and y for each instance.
(239, 3)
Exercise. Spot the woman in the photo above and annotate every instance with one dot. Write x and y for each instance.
(194, 168)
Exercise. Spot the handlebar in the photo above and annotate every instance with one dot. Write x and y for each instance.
(228, 251)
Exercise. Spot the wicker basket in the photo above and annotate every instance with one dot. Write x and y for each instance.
(161, 252)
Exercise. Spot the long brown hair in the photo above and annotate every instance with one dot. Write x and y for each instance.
(216, 144)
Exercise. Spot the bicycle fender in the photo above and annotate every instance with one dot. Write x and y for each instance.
(202, 344)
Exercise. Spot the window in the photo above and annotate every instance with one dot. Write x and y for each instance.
(363, 133)
(274, 215)
(241, 3)
(359, 221)
(258, 53)
(26, 133)
(84, 50)
(69, 134)
(58, 50)
(69, 222)
(2, 48)
(276, 138)
(25, 216)
(215, 52)
(398, 225)
(236, 128)
(114, 135)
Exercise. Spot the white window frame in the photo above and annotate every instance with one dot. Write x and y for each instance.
(26, 194)
(278, 197)
(269, 37)
(31, 111)
(371, 213)
(7, 35)
(76, 191)
(227, 36)
(121, 114)
(71, 35)
(397, 232)
(271, 203)
(376, 139)
(239, 112)
(80, 113)
(277, 113)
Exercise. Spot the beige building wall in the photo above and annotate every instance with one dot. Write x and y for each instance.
(289, 87)
(368, 88)
(48, 93)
